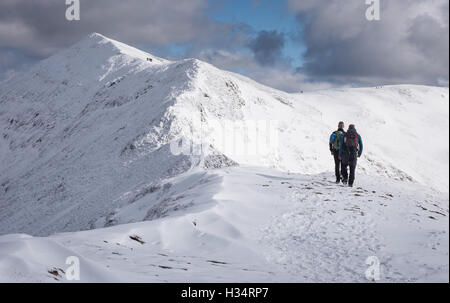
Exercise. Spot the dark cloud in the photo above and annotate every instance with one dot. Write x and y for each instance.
(40, 27)
(267, 46)
(280, 75)
(430, 39)
(13, 61)
(408, 44)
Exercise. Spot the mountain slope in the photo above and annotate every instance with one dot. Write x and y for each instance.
(250, 224)
(88, 131)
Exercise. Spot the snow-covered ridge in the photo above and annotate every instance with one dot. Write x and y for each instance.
(88, 130)
(249, 224)
(123, 48)
(85, 144)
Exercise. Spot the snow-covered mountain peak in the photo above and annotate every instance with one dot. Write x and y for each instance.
(95, 40)
(89, 130)
(94, 59)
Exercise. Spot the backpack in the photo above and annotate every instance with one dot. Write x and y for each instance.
(351, 141)
(337, 140)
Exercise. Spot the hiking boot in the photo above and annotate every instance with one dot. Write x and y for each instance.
(350, 185)
(338, 181)
(344, 181)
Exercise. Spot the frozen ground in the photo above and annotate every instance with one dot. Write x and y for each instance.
(85, 144)
(252, 224)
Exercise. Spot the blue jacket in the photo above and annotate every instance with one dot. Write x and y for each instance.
(342, 149)
(333, 136)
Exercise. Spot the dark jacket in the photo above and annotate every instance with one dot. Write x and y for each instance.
(344, 153)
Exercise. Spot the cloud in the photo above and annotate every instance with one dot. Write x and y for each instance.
(37, 29)
(267, 46)
(408, 44)
(12, 62)
(6, 59)
(280, 75)
(40, 27)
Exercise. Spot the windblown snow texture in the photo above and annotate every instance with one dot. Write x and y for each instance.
(85, 143)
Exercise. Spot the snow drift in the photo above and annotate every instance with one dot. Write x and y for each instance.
(251, 225)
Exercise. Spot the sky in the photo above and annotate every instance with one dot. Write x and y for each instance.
(291, 45)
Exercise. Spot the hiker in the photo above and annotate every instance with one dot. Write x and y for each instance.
(335, 140)
(350, 150)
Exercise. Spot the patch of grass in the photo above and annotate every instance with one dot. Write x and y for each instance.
(137, 239)
(216, 262)
(57, 273)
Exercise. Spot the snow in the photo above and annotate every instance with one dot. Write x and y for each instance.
(86, 144)
(250, 224)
